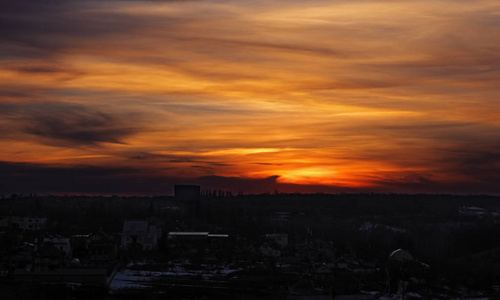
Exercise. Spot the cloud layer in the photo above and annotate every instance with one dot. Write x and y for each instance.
(310, 96)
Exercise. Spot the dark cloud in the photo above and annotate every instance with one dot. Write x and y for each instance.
(419, 184)
(170, 158)
(182, 160)
(78, 128)
(29, 177)
(67, 124)
(33, 6)
(46, 29)
(7, 92)
(220, 164)
(205, 169)
(40, 69)
(86, 127)
(439, 130)
(481, 163)
(426, 126)
(463, 169)
(266, 164)
(479, 155)
(174, 158)
(298, 47)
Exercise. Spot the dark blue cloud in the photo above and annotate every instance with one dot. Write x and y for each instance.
(66, 124)
(45, 179)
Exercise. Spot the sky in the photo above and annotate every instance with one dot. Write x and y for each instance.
(132, 97)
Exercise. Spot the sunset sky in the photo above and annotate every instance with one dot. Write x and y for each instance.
(132, 97)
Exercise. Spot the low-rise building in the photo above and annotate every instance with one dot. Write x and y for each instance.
(47, 257)
(61, 243)
(280, 239)
(187, 236)
(32, 223)
(10, 222)
(140, 234)
(103, 249)
(268, 251)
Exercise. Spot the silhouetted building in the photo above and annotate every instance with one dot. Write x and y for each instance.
(187, 192)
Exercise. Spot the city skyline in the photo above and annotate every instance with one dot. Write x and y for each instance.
(133, 97)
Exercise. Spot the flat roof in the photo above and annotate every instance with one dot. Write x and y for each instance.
(218, 235)
(187, 233)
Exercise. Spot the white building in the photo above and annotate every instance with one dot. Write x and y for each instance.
(61, 243)
(140, 233)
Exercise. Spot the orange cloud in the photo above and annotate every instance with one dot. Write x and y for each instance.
(358, 94)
